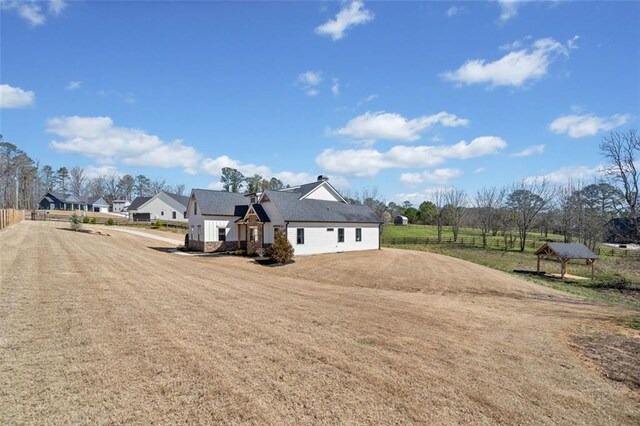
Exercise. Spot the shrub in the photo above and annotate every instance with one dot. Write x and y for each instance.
(92, 221)
(75, 222)
(110, 222)
(186, 240)
(281, 249)
(240, 252)
(158, 223)
(85, 219)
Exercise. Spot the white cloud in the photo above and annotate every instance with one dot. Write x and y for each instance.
(418, 197)
(368, 162)
(335, 87)
(309, 82)
(392, 126)
(454, 10)
(15, 97)
(509, 9)
(566, 174)
(31, 11)
(98, 138)
(513, 69)
(350, 15)
(73, 85)
(534, 149)
(437, 176)
(480, 170)
(367, 99)
(92, 171)
(578, 126)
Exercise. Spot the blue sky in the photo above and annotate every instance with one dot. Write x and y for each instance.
(402, 96)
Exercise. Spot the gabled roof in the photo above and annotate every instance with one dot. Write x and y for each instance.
(303, 189)
(221, 203)
(308, 210)
(138, 202)
(68, 198)
(257, 208)
(182, 199)
(94, 201)
(567, 251)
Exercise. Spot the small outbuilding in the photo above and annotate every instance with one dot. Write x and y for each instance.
(400, 220)
(565, 252)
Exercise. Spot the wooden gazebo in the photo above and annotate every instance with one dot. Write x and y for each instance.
(565, 252)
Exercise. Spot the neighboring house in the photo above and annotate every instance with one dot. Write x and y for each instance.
(400, 220)
(162, 206)
(315, 218)
(61, 201)
(119, 206)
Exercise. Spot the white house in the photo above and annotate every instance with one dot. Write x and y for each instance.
(162, 206)
(119, 206)
(314, 216)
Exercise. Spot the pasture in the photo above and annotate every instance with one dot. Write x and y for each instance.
(116, 329)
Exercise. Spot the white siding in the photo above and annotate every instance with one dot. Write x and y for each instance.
(212, 223)
(157, 206)
(274, 215)
(268, 233)
(318, 240)
(321, 193)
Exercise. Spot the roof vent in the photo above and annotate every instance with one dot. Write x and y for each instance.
(322, 177)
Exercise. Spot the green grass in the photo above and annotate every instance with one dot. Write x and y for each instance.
(609, 271)
(631, 322)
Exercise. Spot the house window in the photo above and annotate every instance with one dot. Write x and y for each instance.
(253, 200)
(199, 226)
(173, 215)
(162, 213)
(341, 235)
(192, 232)
(253, 234)
(195, 207)
(358, 234)
(329, 229)
(300, 236)
(222, 234)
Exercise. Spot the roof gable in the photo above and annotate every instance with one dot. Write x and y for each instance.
(567, 251)
(219, 203)
(138, 202)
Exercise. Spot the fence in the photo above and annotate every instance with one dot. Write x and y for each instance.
(497, 244)
(10, 217)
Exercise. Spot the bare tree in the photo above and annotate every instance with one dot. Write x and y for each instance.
(179, 189)
(488, 201)
(77, 180)
(158, 185)
(438, 199)
(111, 188)
(622, 151)
(526, 200)
(455, 200)
(96, 186)
(126, 184)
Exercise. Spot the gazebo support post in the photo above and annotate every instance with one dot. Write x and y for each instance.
(593, 262)
(563, 268)
(538, 268)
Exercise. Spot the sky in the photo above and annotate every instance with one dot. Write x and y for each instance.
(405, 97)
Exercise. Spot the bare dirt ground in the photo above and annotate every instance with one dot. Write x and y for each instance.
(113, 329)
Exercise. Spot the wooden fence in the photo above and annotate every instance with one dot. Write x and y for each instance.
(496, 244)
(10, 217)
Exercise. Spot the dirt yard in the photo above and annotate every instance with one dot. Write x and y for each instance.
(114, 329)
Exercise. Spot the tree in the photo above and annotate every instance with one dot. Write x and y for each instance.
(281, 250)
(253, 184)
(275, 184)
(456, 200)
(438, 202)
(142, 186)
(77, 180)
(96, 186)
(158, 185)
(179, 189)
(48, 178)
(487, 202)
(63, 177)
(75, 222)
(126, 186)
(428, 212)
(111, 188)
(526, 200)
(412, 214)
(622, 151)
(231, 179)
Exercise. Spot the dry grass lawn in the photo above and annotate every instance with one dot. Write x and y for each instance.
(97, 329)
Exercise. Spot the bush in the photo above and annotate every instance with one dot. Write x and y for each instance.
(240, 252)
(92, 221)
(75, 222)
(110, 222)
(85, 219)
(158, 223)
(281, 249)
(186, 240)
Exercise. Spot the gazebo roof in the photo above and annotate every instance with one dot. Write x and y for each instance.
(567, 251)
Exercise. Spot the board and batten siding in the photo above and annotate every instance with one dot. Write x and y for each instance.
(317, 239)
(321, 193)
(213, 223)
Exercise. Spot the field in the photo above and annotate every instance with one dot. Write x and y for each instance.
(116, 329)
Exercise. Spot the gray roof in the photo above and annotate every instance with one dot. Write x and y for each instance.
(295, 210)
(182, 199)
(304, 189)
(569, 250)
(221, 203)
(94, 201)
(137, 202)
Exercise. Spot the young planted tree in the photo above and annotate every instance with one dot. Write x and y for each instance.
(526, 200)
(455, 200)
(488, 201)
(75, 222)
(281, 249)
(439, 203)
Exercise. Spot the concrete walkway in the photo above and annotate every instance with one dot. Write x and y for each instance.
(148, 235)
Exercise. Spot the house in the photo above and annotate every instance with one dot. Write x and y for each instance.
(162, 206)
(400, 220)
(621, 230)
(61, 201)
(315, 218)
(119, 206)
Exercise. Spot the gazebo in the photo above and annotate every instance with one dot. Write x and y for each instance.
(565, 252)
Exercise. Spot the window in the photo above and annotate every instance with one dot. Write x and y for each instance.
(195, 207)
(341, 235)
(358, 234)
(253, 234)
(253, 200)
(192, 232)
(173, 215)
(329, 229)
(300, 236)
(162, 213)
(222, 234)
(199, 226)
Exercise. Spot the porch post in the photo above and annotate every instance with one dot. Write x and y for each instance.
(562, 268)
